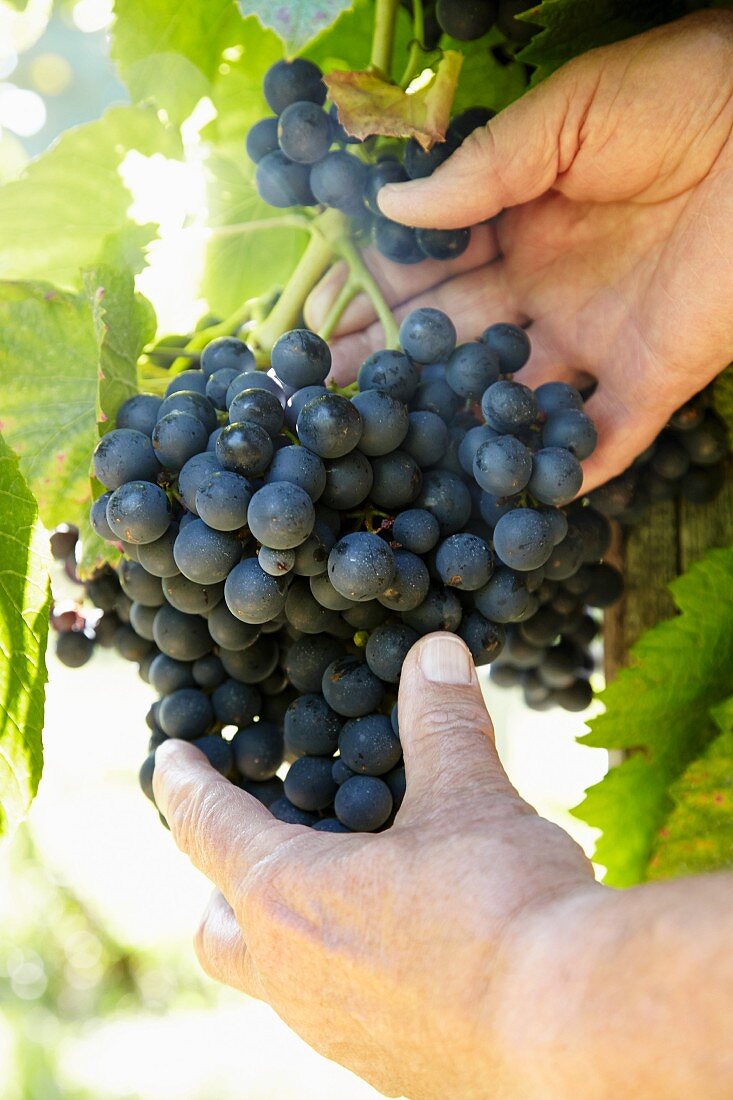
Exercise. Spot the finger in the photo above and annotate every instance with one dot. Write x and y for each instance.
(622, 434)
(516, 157)
(222, 830)
(548, 362)
(472, 301)
(398, 282)
(221, 950)
(446, 732)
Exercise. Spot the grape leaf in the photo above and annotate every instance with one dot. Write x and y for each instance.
(57, 362)
(170, 53)
(723, 397)
(573, 26)
(698, 834)
(70, 204)
(24, 608)
(242, 266)
(486, 80)
(369, 105)
(658, 709)
(236, 90)
(298, 22)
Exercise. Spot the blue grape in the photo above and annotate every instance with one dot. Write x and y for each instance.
(230, 632)
(571, 429)
(416, 530)
(397, 480)
(298, 401)
(428, 336)
(338, 180)
(349, 481)
(384, 422)
(504, 599)
(311, 727)
(255, 379)
(167, 675)
(307, 659)
(443, 244)
(484, 639)
(204, 555)
(361, 566)
(301, 358)
(281, 515)
(258, 751)
(471, 369)
(387, 648)
(217, 387)
(409, 585)
(427, 438)
(194, 474)
(464, 561)
(190, 597)
(444, 494)
(276, 562)
(369, 746)
(281, 182)
(98, 518)
(440, 610)
(551, 397)
(218, 752)
(301, 467)
(351, 688)
(245, 448)
(309, 784)
(226, 353)
(254, 664)
(235, 704)
(177, 437)
(389, 371)
(510, 344)
(261, 139)
(363, 804)
(253, 595)
(222, 500)
(186, 713)
(124, 455)
(139, 412)
(138, 512)
(257, 406)
(522, 539)
(304, 132)
(192, 381)
(330, 426)
(502, 466)
(396, 242)
(192, 403)
(288, 82)
(509, 406)
(556, 476)
(183, 637)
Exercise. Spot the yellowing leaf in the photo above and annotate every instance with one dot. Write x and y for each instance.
(368, 105)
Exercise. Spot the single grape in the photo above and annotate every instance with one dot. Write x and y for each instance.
(510, 344)
(218, 752)
(193, 403)
(311, 727)
(139, 412)
(281, 182)
(186, 713)
(435, 395)
(369, 746)
(235, 704)
(276, 562)
(384, 422)
(396, 780)
(245, 448)
(445, 495)
(261, 139)
(190, 597)
(229, 631)
(307, 659)
(363, 804)
(167, 675)
(141, 620)
(351, 688)
(552, 397)
(388, 170)
(138, 512)
(204, 555)
(306, 614)
(556, 476)
(397, 480)
(258, 751)
(427, 438)
(484, 639)
(330, 426)
(361, 566)
(338, 180)
(572, 430)
(74, 648)
(420, 163)
(301, 358)
(177, 437)
(254, 664)
(304, 132)
(300, 467)
(409, 585)
(284, 810)
(464, 561)
(428, 335)
(194, 474)
(443, 244)
(281, 515)
(190, 381)
(440, 610)
(466, 20)
(309, 784)
(502, 466)
(330, 825)
(255, 379)
(509, 406)
(222, 500)
(98, 518)
(130, 646)
(298, 401)
(471, 369)
(522, 539)
(311, 557)
(183, 637)
(257, 406)
(288, 82)
(124, 455)
(253, 595)
(267, 791)
(217, 388)
(389, 371)
(416, 530)
(396, 242)
(387, 648)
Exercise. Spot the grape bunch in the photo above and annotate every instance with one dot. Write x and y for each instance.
(285, 544)
(685, 462)
(303, 159)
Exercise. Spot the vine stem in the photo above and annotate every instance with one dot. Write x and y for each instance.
(383, 37)
(312, 265)
(346, 295)
(366, 281)
(417, 45)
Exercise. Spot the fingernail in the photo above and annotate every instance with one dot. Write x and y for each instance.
(444, 659)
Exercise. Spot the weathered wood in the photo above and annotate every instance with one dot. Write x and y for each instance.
(670, 539)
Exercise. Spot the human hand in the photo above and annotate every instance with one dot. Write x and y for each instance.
(615, 178)
(403, 955)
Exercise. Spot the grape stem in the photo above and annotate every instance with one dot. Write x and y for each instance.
(346, 295)
(366, 281)
(385, 17)
(417, 46)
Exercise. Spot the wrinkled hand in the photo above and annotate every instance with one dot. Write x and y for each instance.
(615, 178)
(396, 954)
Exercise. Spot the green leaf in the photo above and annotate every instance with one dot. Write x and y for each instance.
(368, 105)
(573, 26)
(723, 397)
(242, 266)
(59, 360)
(70, 203)
(25, 598)
(486, 80)
(236, 90)
(698, 834)
(658, 710)
(169, 52)
(297, 22)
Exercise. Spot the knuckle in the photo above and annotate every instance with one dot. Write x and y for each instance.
(455, 718)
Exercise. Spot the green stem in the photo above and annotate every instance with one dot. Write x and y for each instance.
(287, 221)
(417, 46)
(385, 17)
(361, 273)
(312, 265)
(335, 313)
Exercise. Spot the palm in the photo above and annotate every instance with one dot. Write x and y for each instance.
(616, 241)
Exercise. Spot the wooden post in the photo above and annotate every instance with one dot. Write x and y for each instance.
(664, 545)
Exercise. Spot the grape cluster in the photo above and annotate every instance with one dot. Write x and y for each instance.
(302, 159)
(285, 544)
(685, 462)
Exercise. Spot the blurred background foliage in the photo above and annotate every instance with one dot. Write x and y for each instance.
(100, 997)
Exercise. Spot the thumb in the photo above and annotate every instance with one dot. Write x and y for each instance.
(446, 732)
(625, 428)
(514, 158)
